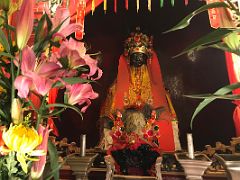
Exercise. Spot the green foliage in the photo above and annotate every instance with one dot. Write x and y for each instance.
(225, 39)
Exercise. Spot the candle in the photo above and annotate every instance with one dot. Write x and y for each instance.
(83, 145)
(190, 146)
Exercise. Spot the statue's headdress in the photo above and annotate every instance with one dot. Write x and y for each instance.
(138, 42)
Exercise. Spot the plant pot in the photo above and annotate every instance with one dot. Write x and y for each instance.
(231, 163)
(193, 168)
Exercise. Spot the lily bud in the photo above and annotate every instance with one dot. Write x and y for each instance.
(4, 4)
(16, 111)
(24, 25)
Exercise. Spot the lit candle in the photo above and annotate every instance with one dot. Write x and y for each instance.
(83, 145)
(190, 146)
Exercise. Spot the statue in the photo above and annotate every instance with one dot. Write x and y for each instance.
(137, 92)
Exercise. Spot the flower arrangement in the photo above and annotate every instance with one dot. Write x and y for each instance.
(55, 59)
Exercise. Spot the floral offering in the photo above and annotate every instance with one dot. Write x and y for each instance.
(38, 57)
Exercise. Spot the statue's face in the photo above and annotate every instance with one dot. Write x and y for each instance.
(137, 59)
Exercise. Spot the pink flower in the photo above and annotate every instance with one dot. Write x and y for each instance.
(36, 76)
(81, 94)
(24, 24)
(74, 51)
(38, 166)
(63, 14)
(93, 65)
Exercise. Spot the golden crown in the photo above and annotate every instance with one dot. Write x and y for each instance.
(138, 42)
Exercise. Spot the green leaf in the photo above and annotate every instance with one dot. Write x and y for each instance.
(72, 80)
(69, 106)
(224, 47)
(6, 54)
(39, 28)
(186, 21)
(3, 114)
(55, 112)
(4, 41)
(204, 96)
(222, 91)
(53, 155)
(209, 39)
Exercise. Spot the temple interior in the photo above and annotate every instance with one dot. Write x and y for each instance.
(120, 89)
(200, 72)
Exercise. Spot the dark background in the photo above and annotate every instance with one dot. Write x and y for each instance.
(202, 72)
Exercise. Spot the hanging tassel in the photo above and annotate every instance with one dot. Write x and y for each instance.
(105, 6)
(161, 3)
(150, 5)
(186, 2)
(126, 4)
(93, 6)
(239, 5)
(172, 2)
(81, 7)
(137, 1)
(115, 6)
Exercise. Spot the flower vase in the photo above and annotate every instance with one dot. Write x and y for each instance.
(193, 168)
(231, 163)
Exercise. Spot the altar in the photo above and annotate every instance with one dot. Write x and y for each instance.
(124, 80)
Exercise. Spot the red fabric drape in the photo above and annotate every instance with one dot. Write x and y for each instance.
(231, 62)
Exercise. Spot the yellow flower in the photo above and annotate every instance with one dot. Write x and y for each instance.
(22, 140)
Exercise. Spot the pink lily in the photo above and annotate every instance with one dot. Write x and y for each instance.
(67, 28)
(80, 94)
(24, 24)
(74, 51)
(93, 65)
(36, 76)
(38, 166)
